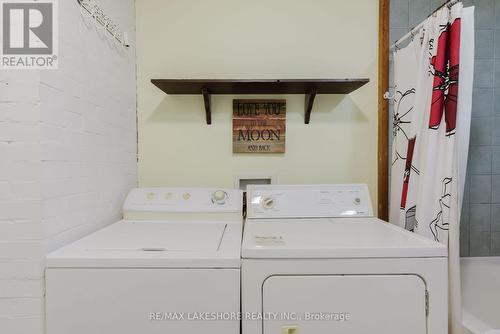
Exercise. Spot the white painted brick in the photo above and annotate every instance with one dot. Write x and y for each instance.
(10, 131)
(68, 148)
(53, 207)
(22, 151)
(20, 210)
(22, 324)
(62, 238)
(75, 120)
(20, 231)
(52, 133)
(19, 170)
(54, 106)
(20, 250)
(58, 79)
(20, 88)
(54, 169)
(79, 168)
(80, 202)
(21, 288)
(57, 151)
(75, 139)
(22, 306)
(94, 124)
(54, 226)
(56, 188)
(21, 269)
(5, 191)
(25, 190)
(3, 150)
(19, 112)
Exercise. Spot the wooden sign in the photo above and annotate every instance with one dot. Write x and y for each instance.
(259, 126)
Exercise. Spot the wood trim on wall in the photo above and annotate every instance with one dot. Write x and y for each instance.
(383, 110)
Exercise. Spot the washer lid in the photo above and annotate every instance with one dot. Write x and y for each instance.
(154, 236)
(154, 243)
(334, 238)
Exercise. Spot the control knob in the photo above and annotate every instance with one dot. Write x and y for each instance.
(219, 197)
(268, 203)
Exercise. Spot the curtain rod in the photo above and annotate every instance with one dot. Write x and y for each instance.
(415, 29)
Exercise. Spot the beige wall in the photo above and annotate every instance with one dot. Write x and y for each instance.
(273, 39)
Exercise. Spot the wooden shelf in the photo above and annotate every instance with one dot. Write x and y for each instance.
(309, 87)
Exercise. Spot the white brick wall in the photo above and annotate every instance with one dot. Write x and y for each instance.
(87, 125)
(21, 230)
(67, 155)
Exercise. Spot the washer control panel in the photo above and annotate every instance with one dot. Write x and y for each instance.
(183, 200)
(309, 201)
(220, 197)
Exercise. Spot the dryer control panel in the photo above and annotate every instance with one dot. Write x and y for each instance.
(309, 201)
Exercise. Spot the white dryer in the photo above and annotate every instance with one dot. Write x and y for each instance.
(171, 266)
(315, 260)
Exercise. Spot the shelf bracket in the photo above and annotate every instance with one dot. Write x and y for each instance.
(208, 109)
(309, 102)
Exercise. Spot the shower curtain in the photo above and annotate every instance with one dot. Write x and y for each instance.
(431, 124)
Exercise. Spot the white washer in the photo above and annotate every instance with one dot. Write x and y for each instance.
(315, 260)
(174, 257)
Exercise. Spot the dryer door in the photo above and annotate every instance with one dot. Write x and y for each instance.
(347, 304)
